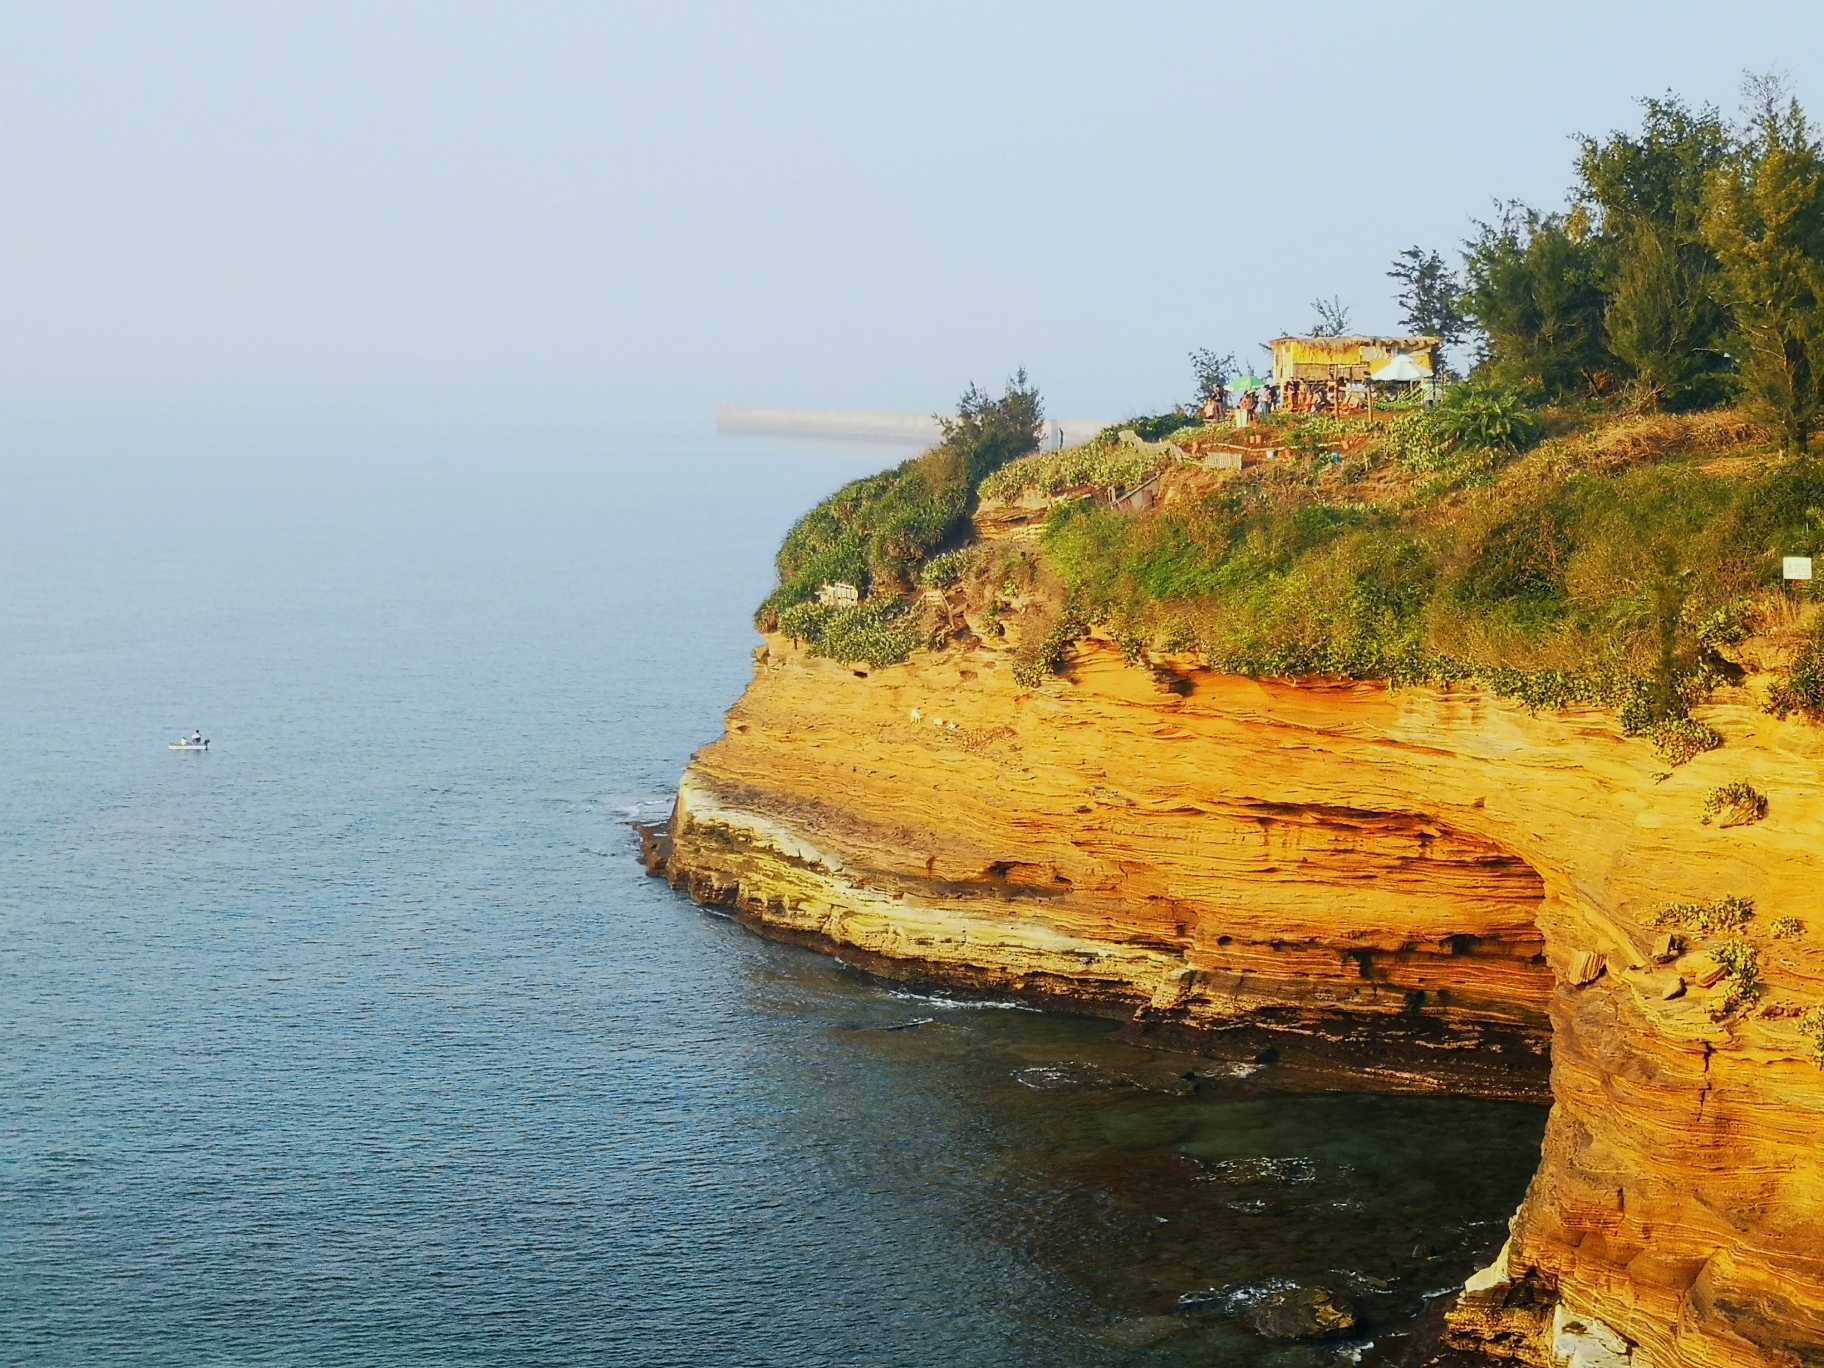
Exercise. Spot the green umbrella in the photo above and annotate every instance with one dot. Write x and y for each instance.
(1242, 383)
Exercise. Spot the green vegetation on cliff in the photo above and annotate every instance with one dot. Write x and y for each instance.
(1575, 572)
(874, 533)
(1597, 516)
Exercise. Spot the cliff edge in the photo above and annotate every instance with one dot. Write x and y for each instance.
(1423, 888)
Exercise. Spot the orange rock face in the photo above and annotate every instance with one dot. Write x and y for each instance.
(1420, 889)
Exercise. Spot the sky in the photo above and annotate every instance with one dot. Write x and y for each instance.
(449, 216)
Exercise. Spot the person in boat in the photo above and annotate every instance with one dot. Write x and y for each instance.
(197, 740)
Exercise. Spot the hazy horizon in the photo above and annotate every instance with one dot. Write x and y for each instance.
(460, 218)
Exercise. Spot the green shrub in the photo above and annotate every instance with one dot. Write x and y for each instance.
(877, 532)
(1553, 586)
(1785, 928)
(1678, 739)
(1131, 644)
(1459, 434)
(1316, 434)
(1801, 690)
(1416, 442)
(1725, 626)
(1811, 1030)
(1744, 804)
(1552, 578)
(880, 527)
(877, 633)
(1036, 663)
(1741, 976)
(1491, 418)
(1550, 689)
(942, 571)
(1728, 913)
(1102, 463)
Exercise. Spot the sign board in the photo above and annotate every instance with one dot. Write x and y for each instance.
(1796, 567)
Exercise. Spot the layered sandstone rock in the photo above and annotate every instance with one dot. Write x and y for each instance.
(1431, 890)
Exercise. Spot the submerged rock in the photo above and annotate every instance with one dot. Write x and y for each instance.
(1300, 1313)
(1278, 1308)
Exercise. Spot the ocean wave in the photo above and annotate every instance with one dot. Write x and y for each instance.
(1067, 1075)
(1228, 1301)
(951, 1003)
(1238, 1068)
(1260, 1170)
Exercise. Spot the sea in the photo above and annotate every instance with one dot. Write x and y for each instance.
(363, 1038)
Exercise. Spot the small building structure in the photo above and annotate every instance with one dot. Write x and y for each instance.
(1138, 499)
(1347, 359)
(837, 594)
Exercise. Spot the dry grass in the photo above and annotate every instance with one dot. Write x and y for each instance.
(1662, 436)
(1783, 626)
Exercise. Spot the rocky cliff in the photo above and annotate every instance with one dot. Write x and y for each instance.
(1425, 889)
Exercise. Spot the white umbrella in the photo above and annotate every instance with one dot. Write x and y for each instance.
(1402, 367)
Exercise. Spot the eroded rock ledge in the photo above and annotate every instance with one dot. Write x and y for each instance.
(1430, 890)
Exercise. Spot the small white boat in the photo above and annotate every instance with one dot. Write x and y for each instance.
(182, 744)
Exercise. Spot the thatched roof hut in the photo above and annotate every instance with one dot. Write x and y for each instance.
(1346, 358)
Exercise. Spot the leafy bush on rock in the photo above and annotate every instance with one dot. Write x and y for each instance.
(1033, 665)
(1802, 688)
(1679, 739)
(1737, 803)
(942, 571)
(1728, 913)
(1741, 976)
(1811, 1028)
(1103, 463)
(877, 633)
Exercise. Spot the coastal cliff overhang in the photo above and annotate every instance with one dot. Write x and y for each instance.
(1425, 888)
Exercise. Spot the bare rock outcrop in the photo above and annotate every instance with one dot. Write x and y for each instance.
(1426, 889)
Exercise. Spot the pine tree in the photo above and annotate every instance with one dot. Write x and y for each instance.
(1662, 319)
(1429, 296)
(1764, 219)
(1532, 285)
(1212, 373)
(1330, 317)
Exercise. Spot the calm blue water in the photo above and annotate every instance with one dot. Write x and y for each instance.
(364, 1040)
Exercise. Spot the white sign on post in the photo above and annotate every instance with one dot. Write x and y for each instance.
(1796, 567)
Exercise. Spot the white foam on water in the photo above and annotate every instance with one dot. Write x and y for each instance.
(1292, 1169)
(959, 1004)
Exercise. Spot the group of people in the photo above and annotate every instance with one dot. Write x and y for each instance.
(1295, 396)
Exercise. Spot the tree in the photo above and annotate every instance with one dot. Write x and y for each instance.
(987, 433)
(1332, 317)
(1764, 219)
(1644, 195)
(1532, 286)
(1429, 296)
(1212, 372)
